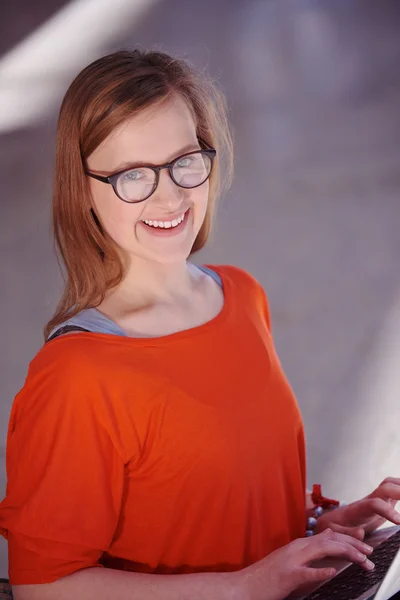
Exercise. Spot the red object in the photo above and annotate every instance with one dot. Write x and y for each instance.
(164, 455)
(319, 500)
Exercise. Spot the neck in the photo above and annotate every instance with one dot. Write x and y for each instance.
(147, 283)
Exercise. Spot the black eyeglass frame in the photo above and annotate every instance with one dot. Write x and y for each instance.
(113, 178)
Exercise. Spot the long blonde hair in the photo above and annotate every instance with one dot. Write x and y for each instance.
(105, 94)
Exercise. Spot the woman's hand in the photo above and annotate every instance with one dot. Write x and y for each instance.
(290, 569)
(366, 515)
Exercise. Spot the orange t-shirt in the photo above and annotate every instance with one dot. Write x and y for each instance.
(178, 454)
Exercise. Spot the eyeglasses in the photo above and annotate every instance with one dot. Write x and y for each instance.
(188, 171)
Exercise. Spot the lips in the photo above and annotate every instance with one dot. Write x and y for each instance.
(165, 224)
(164, 227)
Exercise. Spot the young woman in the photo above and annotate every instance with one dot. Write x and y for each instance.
(156, 449)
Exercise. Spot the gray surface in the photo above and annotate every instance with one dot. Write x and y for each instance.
(314, 92)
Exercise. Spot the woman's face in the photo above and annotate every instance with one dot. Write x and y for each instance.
(154, 137)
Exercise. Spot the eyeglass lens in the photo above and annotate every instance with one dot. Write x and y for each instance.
(188, 172)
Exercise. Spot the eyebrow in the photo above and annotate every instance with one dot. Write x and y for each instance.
(133, 165)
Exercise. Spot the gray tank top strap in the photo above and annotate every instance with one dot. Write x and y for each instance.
(65, 329)
(92, 320)
(211, 273)
(89, 319)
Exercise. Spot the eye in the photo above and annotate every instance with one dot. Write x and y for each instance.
(133, 175)
(139, 175)
(186, 161)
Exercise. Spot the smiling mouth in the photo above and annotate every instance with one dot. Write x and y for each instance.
(166, 224)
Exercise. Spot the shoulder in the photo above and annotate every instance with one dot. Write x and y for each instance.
(72, 352)
(239, 277)
(87, 365)
(65, 383)
(66, 370)
(246, 289)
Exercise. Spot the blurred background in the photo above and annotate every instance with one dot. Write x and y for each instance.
(313, 88)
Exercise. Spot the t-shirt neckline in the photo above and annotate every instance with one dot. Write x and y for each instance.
(191, 332)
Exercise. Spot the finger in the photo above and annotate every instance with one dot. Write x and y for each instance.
(346, 551)
(326, 547)
(381, 508)
(388, 489)
(344, 538)
(313, 575)
(356, 532)
(391, 480)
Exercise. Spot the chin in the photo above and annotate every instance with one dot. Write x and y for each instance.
(167, 247)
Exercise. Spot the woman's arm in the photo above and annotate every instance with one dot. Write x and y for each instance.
(274, 577)
(107, 584)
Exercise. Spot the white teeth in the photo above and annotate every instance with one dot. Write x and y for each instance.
(165, 224)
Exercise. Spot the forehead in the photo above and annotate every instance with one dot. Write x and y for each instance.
(155, 134)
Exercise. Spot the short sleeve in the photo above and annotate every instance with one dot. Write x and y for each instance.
(65, 473)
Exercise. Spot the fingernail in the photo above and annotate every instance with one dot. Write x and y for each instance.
(397, 518)
(361, 556)
(331, 572)
(369, 564)
(368, 549)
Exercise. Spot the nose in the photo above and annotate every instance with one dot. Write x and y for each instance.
(168, 194)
